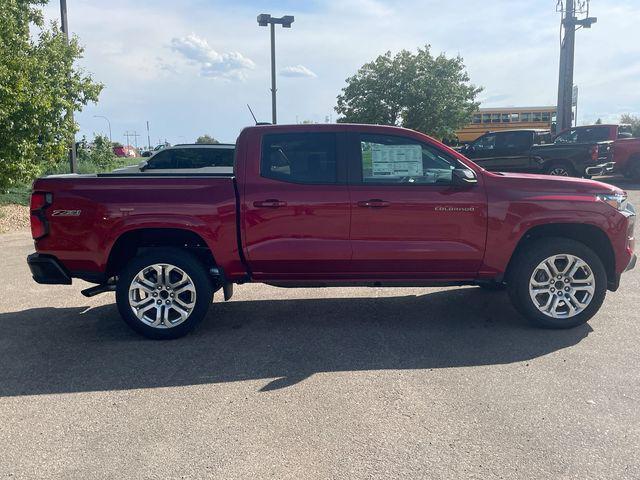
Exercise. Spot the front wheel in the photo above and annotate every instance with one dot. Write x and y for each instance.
(557, 283)
(164, 294)
(561, 169)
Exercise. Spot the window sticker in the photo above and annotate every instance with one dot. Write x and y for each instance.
(396, 160)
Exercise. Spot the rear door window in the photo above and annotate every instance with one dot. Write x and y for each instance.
(513, 142)
(219, 157)
(190, 158)
(161, 160)
(485, 143)
(300, 157)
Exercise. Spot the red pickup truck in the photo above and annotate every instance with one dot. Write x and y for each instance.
(626, 149)
(332, 205)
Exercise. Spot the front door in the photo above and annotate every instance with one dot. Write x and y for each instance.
(295, 216)
(503, 151)
(408, 220)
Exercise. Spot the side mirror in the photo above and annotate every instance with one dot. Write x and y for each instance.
(464, 177)
(143, 165)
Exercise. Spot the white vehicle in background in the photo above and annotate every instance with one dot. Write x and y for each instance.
(154, 150)
(187, 158)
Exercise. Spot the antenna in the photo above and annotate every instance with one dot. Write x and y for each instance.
(251, 111)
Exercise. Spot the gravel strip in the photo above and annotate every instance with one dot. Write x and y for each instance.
(14, 218)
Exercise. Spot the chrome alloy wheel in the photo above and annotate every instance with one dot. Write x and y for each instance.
(559, 172)
(162, 296)
(562, 286)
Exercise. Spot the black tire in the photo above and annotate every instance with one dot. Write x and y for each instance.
(561, 169)
(189, 265)
(524, 265)
(493, 286)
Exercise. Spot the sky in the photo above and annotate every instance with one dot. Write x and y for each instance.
(190, 67)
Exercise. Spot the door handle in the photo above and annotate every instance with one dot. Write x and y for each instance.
(270, 203)
(374, 203)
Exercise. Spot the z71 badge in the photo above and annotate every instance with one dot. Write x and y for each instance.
(66, 213)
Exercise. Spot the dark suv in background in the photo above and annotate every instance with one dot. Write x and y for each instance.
(187, 158)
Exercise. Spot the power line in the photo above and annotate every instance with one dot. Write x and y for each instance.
(133, 135)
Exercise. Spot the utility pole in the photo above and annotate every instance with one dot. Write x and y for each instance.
(273, 74)
(265, 19)
(569, 24)
(64, 26)
(148, 136)
(133, 134)
(574, 102)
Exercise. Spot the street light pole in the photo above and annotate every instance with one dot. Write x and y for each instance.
(265, 19)
(274, 114)
(64, 26)
(108, 122)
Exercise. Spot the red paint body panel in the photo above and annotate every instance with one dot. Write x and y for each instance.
(112, 206)
(519, 202)
(320, 232)
(307, 238)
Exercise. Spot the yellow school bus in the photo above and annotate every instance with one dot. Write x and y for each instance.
(492, 119)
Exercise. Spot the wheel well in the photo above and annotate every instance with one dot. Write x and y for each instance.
(559, 162)
(589, 235)
(132, 243)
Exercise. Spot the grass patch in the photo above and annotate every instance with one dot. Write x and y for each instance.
(18, 195)
(90, 167)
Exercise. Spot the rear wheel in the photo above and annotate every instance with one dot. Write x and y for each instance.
(557, 283)
(561, 169)
(163, 294)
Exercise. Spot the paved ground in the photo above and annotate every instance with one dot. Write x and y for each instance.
(333, 383)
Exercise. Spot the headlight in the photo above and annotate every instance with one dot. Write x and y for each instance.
(616, 200)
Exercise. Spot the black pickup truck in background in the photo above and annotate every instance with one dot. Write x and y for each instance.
(531, 151)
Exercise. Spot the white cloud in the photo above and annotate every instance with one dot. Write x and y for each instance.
(297, 71)
(212, 64)
(514, 56)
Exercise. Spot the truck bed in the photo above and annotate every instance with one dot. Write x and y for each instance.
(89, 212)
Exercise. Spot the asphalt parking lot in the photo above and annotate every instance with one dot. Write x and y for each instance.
(326, 383)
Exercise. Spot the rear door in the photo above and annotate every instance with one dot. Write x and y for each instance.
(407, 218)
(295, 215)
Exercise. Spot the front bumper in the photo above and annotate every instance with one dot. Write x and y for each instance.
(600, 169)
(47, 270)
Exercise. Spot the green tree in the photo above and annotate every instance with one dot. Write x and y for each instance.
(599, 121)
(419, 91)
(206, 139)
(632, 120)
(99, 153)
(38, 85)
